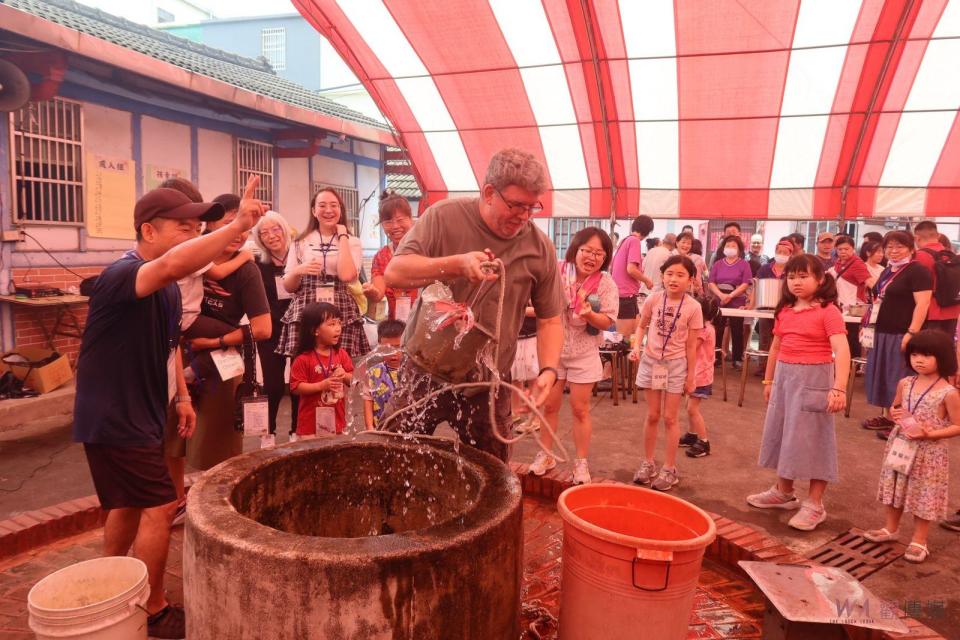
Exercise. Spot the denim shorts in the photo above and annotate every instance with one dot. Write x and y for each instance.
(703, 392)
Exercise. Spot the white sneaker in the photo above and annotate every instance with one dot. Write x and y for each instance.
(294, 438)
(581, 471)
(542, 463)
(268, 441)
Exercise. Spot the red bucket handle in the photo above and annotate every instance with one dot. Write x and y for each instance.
(655, 555)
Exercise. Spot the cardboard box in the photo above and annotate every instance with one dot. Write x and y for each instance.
(41, 379)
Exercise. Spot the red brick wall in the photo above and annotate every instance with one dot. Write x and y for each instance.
(29, 323)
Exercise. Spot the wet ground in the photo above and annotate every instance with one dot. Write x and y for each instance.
(725, 606)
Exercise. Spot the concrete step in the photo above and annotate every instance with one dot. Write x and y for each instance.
(55, 406)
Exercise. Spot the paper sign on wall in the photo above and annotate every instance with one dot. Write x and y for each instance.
(111, 192)
(155, 175)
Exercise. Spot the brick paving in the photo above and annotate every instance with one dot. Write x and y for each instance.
(726, 606)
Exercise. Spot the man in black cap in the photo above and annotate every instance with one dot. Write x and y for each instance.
(129, 370)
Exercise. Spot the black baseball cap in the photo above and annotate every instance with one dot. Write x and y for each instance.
(170, 203)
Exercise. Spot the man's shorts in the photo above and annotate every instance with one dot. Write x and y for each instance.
(703, 392)
(130, 477)
(585, 368)
(676, 373)
(628, 308)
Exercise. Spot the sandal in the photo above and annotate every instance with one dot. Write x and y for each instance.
(916, 553)
(880, 535)
(877, 423)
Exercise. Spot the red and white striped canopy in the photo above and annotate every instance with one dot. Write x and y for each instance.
(690, 108)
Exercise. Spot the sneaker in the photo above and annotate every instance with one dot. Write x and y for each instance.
(180, 515)
(581, 471)
(542, 463)
(294, 438)
(951, 523)
(884, 434)
(688, 439)
(809, 516)
(773, 498)
(169, 622)
(268, 441)
(667, 479)
(737, 365)
(523, 424)
(699, 449)
(646, 473)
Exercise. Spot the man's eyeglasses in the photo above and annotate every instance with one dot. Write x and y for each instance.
(520, 208)
(593, 254)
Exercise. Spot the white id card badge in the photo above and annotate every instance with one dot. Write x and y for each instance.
(901, 455)
(866, 337)
(325, 293)
(658, 377)
(256, 421)
(282, 293)
(326, 421)
(874, 311)
(402, 308)
(229, 363)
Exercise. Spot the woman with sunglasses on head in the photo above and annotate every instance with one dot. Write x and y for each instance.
(592, 300)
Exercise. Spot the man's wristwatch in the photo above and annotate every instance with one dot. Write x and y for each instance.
(179, 399)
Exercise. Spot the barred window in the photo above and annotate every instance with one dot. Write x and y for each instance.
(562, 231)
(351, 202)
(256, 159)
(273, 47)
(47, 162)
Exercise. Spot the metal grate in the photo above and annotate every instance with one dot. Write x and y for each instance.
(856, 555)
(351, 203)
(47, 167)
(562, 231)
(256, 159)
(273, 47)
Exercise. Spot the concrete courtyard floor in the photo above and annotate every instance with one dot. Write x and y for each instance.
(40, 467)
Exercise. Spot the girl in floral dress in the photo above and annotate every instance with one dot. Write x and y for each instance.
(927, 412)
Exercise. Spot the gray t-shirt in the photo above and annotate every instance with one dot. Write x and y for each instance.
(454, 226)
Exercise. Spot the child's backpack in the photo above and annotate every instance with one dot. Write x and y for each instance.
(946, 266)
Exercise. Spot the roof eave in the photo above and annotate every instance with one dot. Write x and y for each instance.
(70, 40)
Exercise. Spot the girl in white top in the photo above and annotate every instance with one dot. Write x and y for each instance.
(321, 263)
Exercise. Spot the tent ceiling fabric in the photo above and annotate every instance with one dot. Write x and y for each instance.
(686, 108)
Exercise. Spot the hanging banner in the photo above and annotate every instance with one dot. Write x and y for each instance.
(155, 175)
(111, 192)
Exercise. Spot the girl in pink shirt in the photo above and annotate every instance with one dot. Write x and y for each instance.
(695, 439)
(667, 366)
(805, 385)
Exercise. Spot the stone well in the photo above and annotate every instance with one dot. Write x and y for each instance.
(364, 538)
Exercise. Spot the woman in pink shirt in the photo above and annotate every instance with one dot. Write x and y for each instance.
(805, 385)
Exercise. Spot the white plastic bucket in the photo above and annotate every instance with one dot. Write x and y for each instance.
(98, 599)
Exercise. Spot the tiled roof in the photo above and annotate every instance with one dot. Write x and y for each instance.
(403, 184)
(246, 73)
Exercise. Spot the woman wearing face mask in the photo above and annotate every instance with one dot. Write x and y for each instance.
(853, 279)
(729, 279)
(685, 248)
(324, 259)
(396, 219)
(901, 297)
(772, 269)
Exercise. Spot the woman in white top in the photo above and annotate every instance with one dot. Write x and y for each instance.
(684, 246)
(872, 254)
(320, 265)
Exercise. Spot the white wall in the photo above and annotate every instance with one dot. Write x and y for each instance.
(215, 157)
(295, 191)
(368, 180)
(165, 144)
(333, 171)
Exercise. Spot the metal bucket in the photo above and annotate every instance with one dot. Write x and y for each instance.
(767, 292)
(436, 351)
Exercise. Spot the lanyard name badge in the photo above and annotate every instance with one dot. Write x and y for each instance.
(229, 362)
(903, 450)
(402, 307)
(252, 414)
(325, 417)
(282, 293)
(324, 292)
(660, 374)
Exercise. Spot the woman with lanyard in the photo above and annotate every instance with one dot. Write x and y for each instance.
(272, 236)
(853, 278)
(900, 299)
(320, 265)
(396, 219)
(592, 300)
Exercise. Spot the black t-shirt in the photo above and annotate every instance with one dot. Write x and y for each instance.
(122, 369)
(269, 273)
(529, 328)
(896, 311)
(239, 293)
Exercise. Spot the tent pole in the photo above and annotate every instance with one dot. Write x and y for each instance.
(604, 118)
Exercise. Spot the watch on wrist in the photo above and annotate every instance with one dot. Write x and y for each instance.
(178, 399)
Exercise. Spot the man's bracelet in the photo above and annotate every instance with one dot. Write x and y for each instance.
(179, 399)
(556, 376)
(223, 343)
